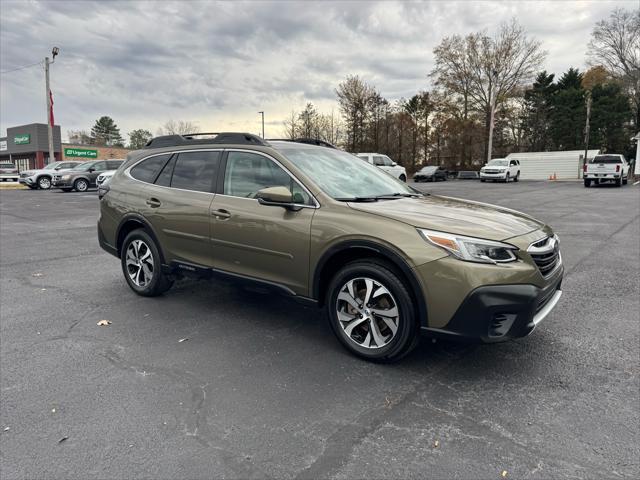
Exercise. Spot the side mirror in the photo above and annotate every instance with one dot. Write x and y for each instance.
(276, 196)
(92, 169)
(394, 164)
(57, 168)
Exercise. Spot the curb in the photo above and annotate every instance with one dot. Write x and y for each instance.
(12, 186)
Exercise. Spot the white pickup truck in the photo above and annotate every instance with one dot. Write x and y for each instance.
(606, 168)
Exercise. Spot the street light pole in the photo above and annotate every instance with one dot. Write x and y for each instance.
(262, 113)
(54, 52)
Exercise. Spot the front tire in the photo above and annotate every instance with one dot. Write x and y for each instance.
(403, 178)
(371, 311)
(506, 178)
(44, 183)
(81, 185)
(482, 180)
(142, 266)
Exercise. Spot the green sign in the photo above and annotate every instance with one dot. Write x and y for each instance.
(80, 152)
(22, 139)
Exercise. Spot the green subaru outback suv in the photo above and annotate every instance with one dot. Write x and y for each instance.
(318, 224)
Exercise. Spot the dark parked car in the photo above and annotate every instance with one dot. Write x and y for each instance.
(468, 175)
(84, 175)
(430, 174)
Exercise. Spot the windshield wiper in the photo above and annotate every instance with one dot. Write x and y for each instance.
(358, 199)
(392, 196)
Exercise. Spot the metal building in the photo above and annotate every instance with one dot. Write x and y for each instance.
(27, 146)
(542, 165)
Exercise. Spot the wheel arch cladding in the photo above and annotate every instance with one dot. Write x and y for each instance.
(135, 222)
(339, 255)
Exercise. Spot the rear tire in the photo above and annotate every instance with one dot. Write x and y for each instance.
(142, 265)
(358, 325)
(619, 182)
(587, 183)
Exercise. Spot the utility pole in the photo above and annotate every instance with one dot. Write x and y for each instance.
(54, 52)
(586, 130)
(492, 107)
(262, 113)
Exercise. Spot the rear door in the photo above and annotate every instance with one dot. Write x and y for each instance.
(266, 242)
(177, 203)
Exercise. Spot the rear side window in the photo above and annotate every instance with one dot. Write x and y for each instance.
(147, 170)
(379, 161)
(195, 171)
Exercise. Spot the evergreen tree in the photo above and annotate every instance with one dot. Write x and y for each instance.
(538, 108)
(106, 132)
(568, 115)
(610, 115)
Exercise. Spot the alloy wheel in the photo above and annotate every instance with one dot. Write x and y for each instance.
(367, 312)
(139, 262)
(44, 183)
(81, 185)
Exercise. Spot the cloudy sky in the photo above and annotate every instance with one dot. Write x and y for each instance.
(218, 64)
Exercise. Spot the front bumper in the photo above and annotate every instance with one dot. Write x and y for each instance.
(496, 313)
(493, 176)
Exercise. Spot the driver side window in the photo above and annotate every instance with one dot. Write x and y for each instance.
(247, 173)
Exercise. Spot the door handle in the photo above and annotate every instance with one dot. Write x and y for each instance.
(223, 214)
(153, 202)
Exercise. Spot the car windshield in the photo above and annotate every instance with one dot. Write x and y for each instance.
(428, 169)
(344, 176)
(51, 165)
(606, 159)
(498, 162)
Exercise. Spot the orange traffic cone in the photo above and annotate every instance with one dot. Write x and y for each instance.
(554, 176)
(550, 177)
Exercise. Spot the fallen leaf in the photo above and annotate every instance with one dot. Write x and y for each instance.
(6, 429)
(63, 439)
(43, 289)
(504, 474)
(53, 410)
(436, 444)
(37, 274)
(104, 323)
(182, 340)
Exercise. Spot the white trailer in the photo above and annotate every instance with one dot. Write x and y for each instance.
(543, 165)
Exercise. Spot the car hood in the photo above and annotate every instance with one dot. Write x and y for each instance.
(454, 215)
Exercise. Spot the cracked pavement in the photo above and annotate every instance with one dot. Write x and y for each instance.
(262, 389)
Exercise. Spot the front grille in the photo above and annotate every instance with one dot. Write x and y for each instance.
(23, 175)
(492, 171)
(546, 254)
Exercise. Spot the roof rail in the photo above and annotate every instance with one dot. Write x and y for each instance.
(309, 141)
(232, 138)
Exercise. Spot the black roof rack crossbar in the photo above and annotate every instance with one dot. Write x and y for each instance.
(309, 141)
(231, 138)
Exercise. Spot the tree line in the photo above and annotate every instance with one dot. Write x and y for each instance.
(490, 94)
(105, 132)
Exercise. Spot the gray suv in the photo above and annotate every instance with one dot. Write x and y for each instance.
(84, 176)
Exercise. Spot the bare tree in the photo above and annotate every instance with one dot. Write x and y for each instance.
(291, 127)
(354, 97)
(615, 43)
(486, 70)
(180, 127)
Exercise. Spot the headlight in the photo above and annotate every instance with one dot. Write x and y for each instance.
(471, 249)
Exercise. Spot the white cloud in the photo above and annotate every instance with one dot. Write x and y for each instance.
(219, 63)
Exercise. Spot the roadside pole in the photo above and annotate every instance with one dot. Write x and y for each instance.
(49, 126)
(54, 52)
(586, 132)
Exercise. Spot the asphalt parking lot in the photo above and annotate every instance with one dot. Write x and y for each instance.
(261, 388)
